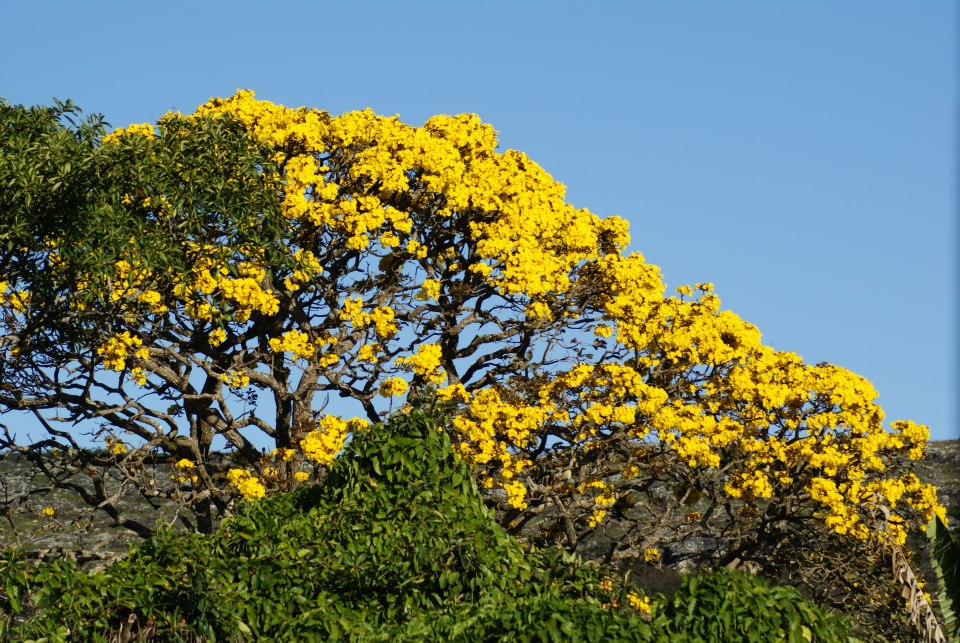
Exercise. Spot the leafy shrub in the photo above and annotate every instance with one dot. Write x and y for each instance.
(396, 546)
(734, 606)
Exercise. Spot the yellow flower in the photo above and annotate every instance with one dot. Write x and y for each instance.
(539, 310)
(417, 249)
(151, 299)
(284, 455)
(138, 375)
(368, 353)
(395, 386)
(247, 484)
(640, 603)
(430, 289)
(296, 342)
(596, 518)
(426, 362)
(235, 379)
(383, 322)
(137, 129)
(516, 493)
(116, 350)
(603, 331)
(49, 512)
(301, 476)
(453, 392)
(389, 240)
(326, 441)
(217, 337)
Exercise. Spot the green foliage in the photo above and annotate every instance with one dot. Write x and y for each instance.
(734, 606)
(945, 558)
(396, 546)
(215, 182)
(47, 168)
(62, 190)
(49, 174)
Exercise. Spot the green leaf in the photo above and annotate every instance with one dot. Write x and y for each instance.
(945, 558)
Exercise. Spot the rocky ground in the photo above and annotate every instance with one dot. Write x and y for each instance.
(23, 524)
(942, 468)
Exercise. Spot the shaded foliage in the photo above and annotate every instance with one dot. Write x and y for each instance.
(945, 557)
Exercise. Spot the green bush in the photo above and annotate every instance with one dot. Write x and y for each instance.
(395, 546)
(734, 606)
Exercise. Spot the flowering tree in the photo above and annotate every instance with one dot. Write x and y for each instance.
(244, 273)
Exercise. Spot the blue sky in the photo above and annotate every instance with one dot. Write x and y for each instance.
(800, 155)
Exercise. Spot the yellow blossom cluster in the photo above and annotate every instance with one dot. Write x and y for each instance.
(426, 363)
(752, 484)
(248, 295)
(492, 425)
(185, 471)
(296, 342)
(137, 129)
(602, 500)
(283, 454)
(652, 555)
(235, 379)
(429, 289)
(839, 515)
(368, 353)
(209, 290)
(152, 300)
(640, 603)
(247, 484)
(17, 300)
(118, 349)
(394, 387)
(380, 317)
(695, 434)
(532, 245)
(591, 396)
(324, 443)
(116, 447)
(684, 332)
(914, 436)
(627, 287)
(308, 266)
(516, 493)
(489, 433)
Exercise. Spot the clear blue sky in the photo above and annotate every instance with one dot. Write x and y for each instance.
(800, 155)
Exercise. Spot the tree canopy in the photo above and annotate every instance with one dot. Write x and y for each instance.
(251, 272)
